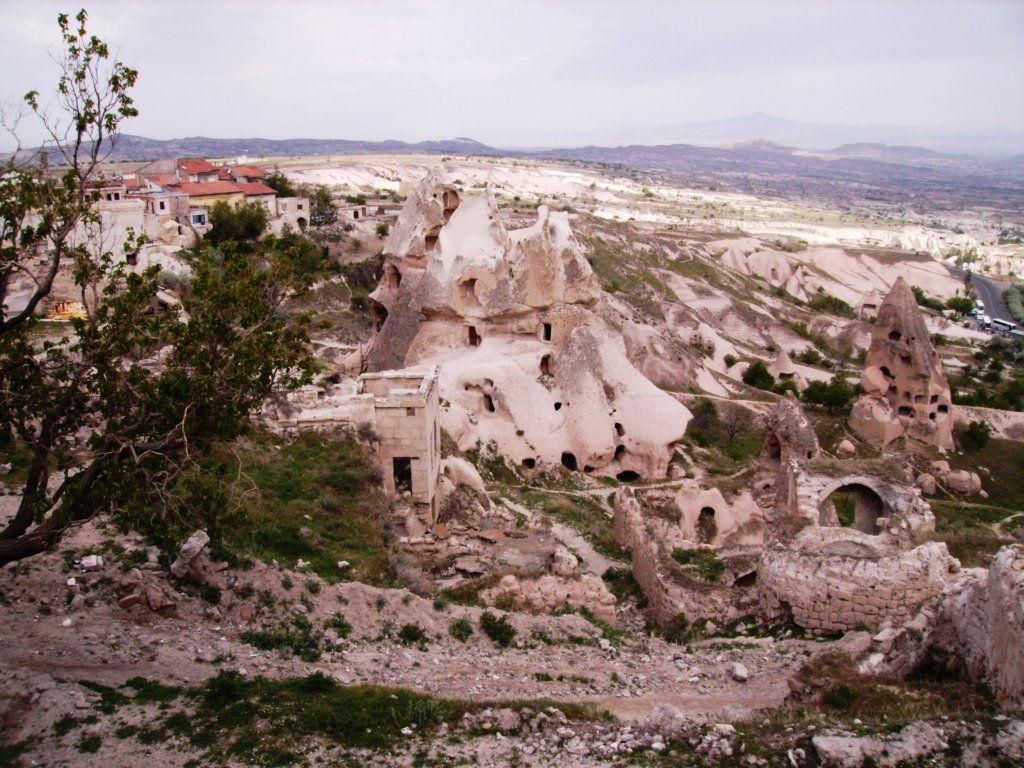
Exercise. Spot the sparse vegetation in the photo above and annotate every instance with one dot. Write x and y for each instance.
(704, 563)
(498, 629)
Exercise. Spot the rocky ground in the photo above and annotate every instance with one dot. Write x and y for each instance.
(80, 634)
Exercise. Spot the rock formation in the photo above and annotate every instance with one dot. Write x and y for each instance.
(905, 388)
(509, 316)
(974, 627)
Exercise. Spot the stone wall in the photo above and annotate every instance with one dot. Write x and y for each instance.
(975, 627)
(650, 541)
(831, 586)
(405, 418)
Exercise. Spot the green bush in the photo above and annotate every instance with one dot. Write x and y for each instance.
(840, 696)
(678, 630)
(339, 625)
(757, 375)
(974, 437)
(498, 629)
(410, 634)
(460, 629)
(832, 305)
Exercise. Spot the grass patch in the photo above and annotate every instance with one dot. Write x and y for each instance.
(1004, 482)
(110, 699)
(700, 562)
(581, 513)
(234, 719)
(315, 499)
(298, 639)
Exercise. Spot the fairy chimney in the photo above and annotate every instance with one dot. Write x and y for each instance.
(905, 389)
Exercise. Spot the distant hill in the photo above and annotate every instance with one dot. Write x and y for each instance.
(820, 137)
(129, 147)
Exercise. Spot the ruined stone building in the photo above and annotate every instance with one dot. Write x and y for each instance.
(905, 388)
(400, 409)
(405, 410)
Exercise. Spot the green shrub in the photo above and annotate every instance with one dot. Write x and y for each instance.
(678, 630)
(840, 696)
(757, 375)
(410, 634)
(498, 629)
(974, 437)
(831, 304)
(339, 625)
(460, 629)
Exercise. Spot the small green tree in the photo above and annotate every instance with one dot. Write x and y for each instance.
(757, 375)
(244, 224)
(322, 210)
(960, 304)
(975, 436)
(382, 229)
(280, 184)
(114, 412)
(834, 396)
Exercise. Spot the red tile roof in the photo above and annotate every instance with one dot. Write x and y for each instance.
(163, 181)
(255, 188)
(201, 189)
(249, 171)
(196, 165)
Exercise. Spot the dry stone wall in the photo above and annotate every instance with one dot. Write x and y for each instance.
(831, 590)
(650, 542)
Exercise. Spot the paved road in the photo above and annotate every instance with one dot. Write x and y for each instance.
(989, 291)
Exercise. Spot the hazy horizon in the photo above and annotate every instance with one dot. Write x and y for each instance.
(528, 74)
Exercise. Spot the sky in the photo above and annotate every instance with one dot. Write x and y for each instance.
(532, 73)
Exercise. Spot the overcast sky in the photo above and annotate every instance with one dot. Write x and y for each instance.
(537, 73)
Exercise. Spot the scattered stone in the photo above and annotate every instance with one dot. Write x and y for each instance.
(247, 612)
(91, 563)
(158, 602)
(846, 448)
(739, 672)
(130, 601)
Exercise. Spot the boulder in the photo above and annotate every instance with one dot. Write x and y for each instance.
(187, 564)
(846, 448)
(874, 421)
(926, 482)
(963, 482)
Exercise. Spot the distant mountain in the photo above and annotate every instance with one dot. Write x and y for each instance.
(129, 147)
(820, 136)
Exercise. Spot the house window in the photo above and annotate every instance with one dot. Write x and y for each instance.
(163, 205)
(199, 218)
(300, 206)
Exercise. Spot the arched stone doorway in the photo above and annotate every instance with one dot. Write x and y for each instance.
(853, 505)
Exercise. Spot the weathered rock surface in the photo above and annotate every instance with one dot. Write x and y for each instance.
(526, 362)
(904, 384)
(974, 627)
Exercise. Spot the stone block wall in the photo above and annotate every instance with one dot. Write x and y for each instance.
(826, 592)
(666, 598)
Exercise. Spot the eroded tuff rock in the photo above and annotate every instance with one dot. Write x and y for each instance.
(974, 627)
(905, 388)
(526, 362)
